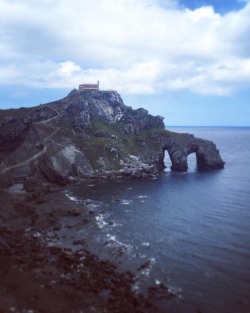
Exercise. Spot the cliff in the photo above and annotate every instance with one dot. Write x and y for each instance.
(91, 134)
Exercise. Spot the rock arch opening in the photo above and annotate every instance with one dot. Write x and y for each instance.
(187, 162)
(167, 161)
(192, 162)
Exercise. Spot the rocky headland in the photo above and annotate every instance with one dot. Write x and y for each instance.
(85, 136)
(91, 134)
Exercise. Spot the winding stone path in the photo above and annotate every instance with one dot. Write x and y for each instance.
(34, 157)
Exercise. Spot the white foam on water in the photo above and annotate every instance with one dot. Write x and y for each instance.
(128, 211)
(100, 221)
(71, 198)
(126, 202)
(146, 272)
(142, 196)
(176, 291)
(113, 241)
(111, 237)
(93, 205)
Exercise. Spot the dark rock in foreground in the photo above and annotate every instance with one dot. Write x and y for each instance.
(91, 135)
(37, 274)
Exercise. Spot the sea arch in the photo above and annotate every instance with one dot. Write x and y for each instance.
(180, 147)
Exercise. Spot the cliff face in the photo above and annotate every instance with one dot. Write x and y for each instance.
(91, 134)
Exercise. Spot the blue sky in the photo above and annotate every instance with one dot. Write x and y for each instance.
(220, 6)
(188, 61)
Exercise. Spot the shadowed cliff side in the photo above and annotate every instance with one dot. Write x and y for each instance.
(91, 134)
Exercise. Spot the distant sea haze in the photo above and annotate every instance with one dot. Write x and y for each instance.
(192, 228)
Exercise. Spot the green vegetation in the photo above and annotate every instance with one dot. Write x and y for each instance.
(16, 113)
(98, 125)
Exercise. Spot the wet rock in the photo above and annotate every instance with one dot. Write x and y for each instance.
(33, 184)
(56, 228)
(85, 221)
(74, 211)
(145, 265)
(79, 242)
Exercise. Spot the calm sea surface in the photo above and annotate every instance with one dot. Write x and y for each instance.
(193, 228)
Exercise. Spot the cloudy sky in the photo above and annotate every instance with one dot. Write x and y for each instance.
(187, 60)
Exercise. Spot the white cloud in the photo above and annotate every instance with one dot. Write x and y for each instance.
(134, 46)
(203, 14)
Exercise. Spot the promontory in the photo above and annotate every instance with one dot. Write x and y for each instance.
(88, 135)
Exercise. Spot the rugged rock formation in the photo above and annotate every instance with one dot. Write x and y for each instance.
(92, 134)
(207, 156)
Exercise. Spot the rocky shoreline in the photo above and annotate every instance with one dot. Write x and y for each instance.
(36, 276)
(84, 137)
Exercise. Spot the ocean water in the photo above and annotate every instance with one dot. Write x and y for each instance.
(192, 229)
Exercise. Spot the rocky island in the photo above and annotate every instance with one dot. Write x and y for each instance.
(91, 134)
(87, 136)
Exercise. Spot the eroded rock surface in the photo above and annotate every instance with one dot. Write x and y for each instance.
(179, 148)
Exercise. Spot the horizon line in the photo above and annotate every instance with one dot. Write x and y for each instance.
(243, 126)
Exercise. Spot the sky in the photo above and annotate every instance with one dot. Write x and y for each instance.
(186, 60)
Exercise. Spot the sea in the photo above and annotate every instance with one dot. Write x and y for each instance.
(189, 231)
